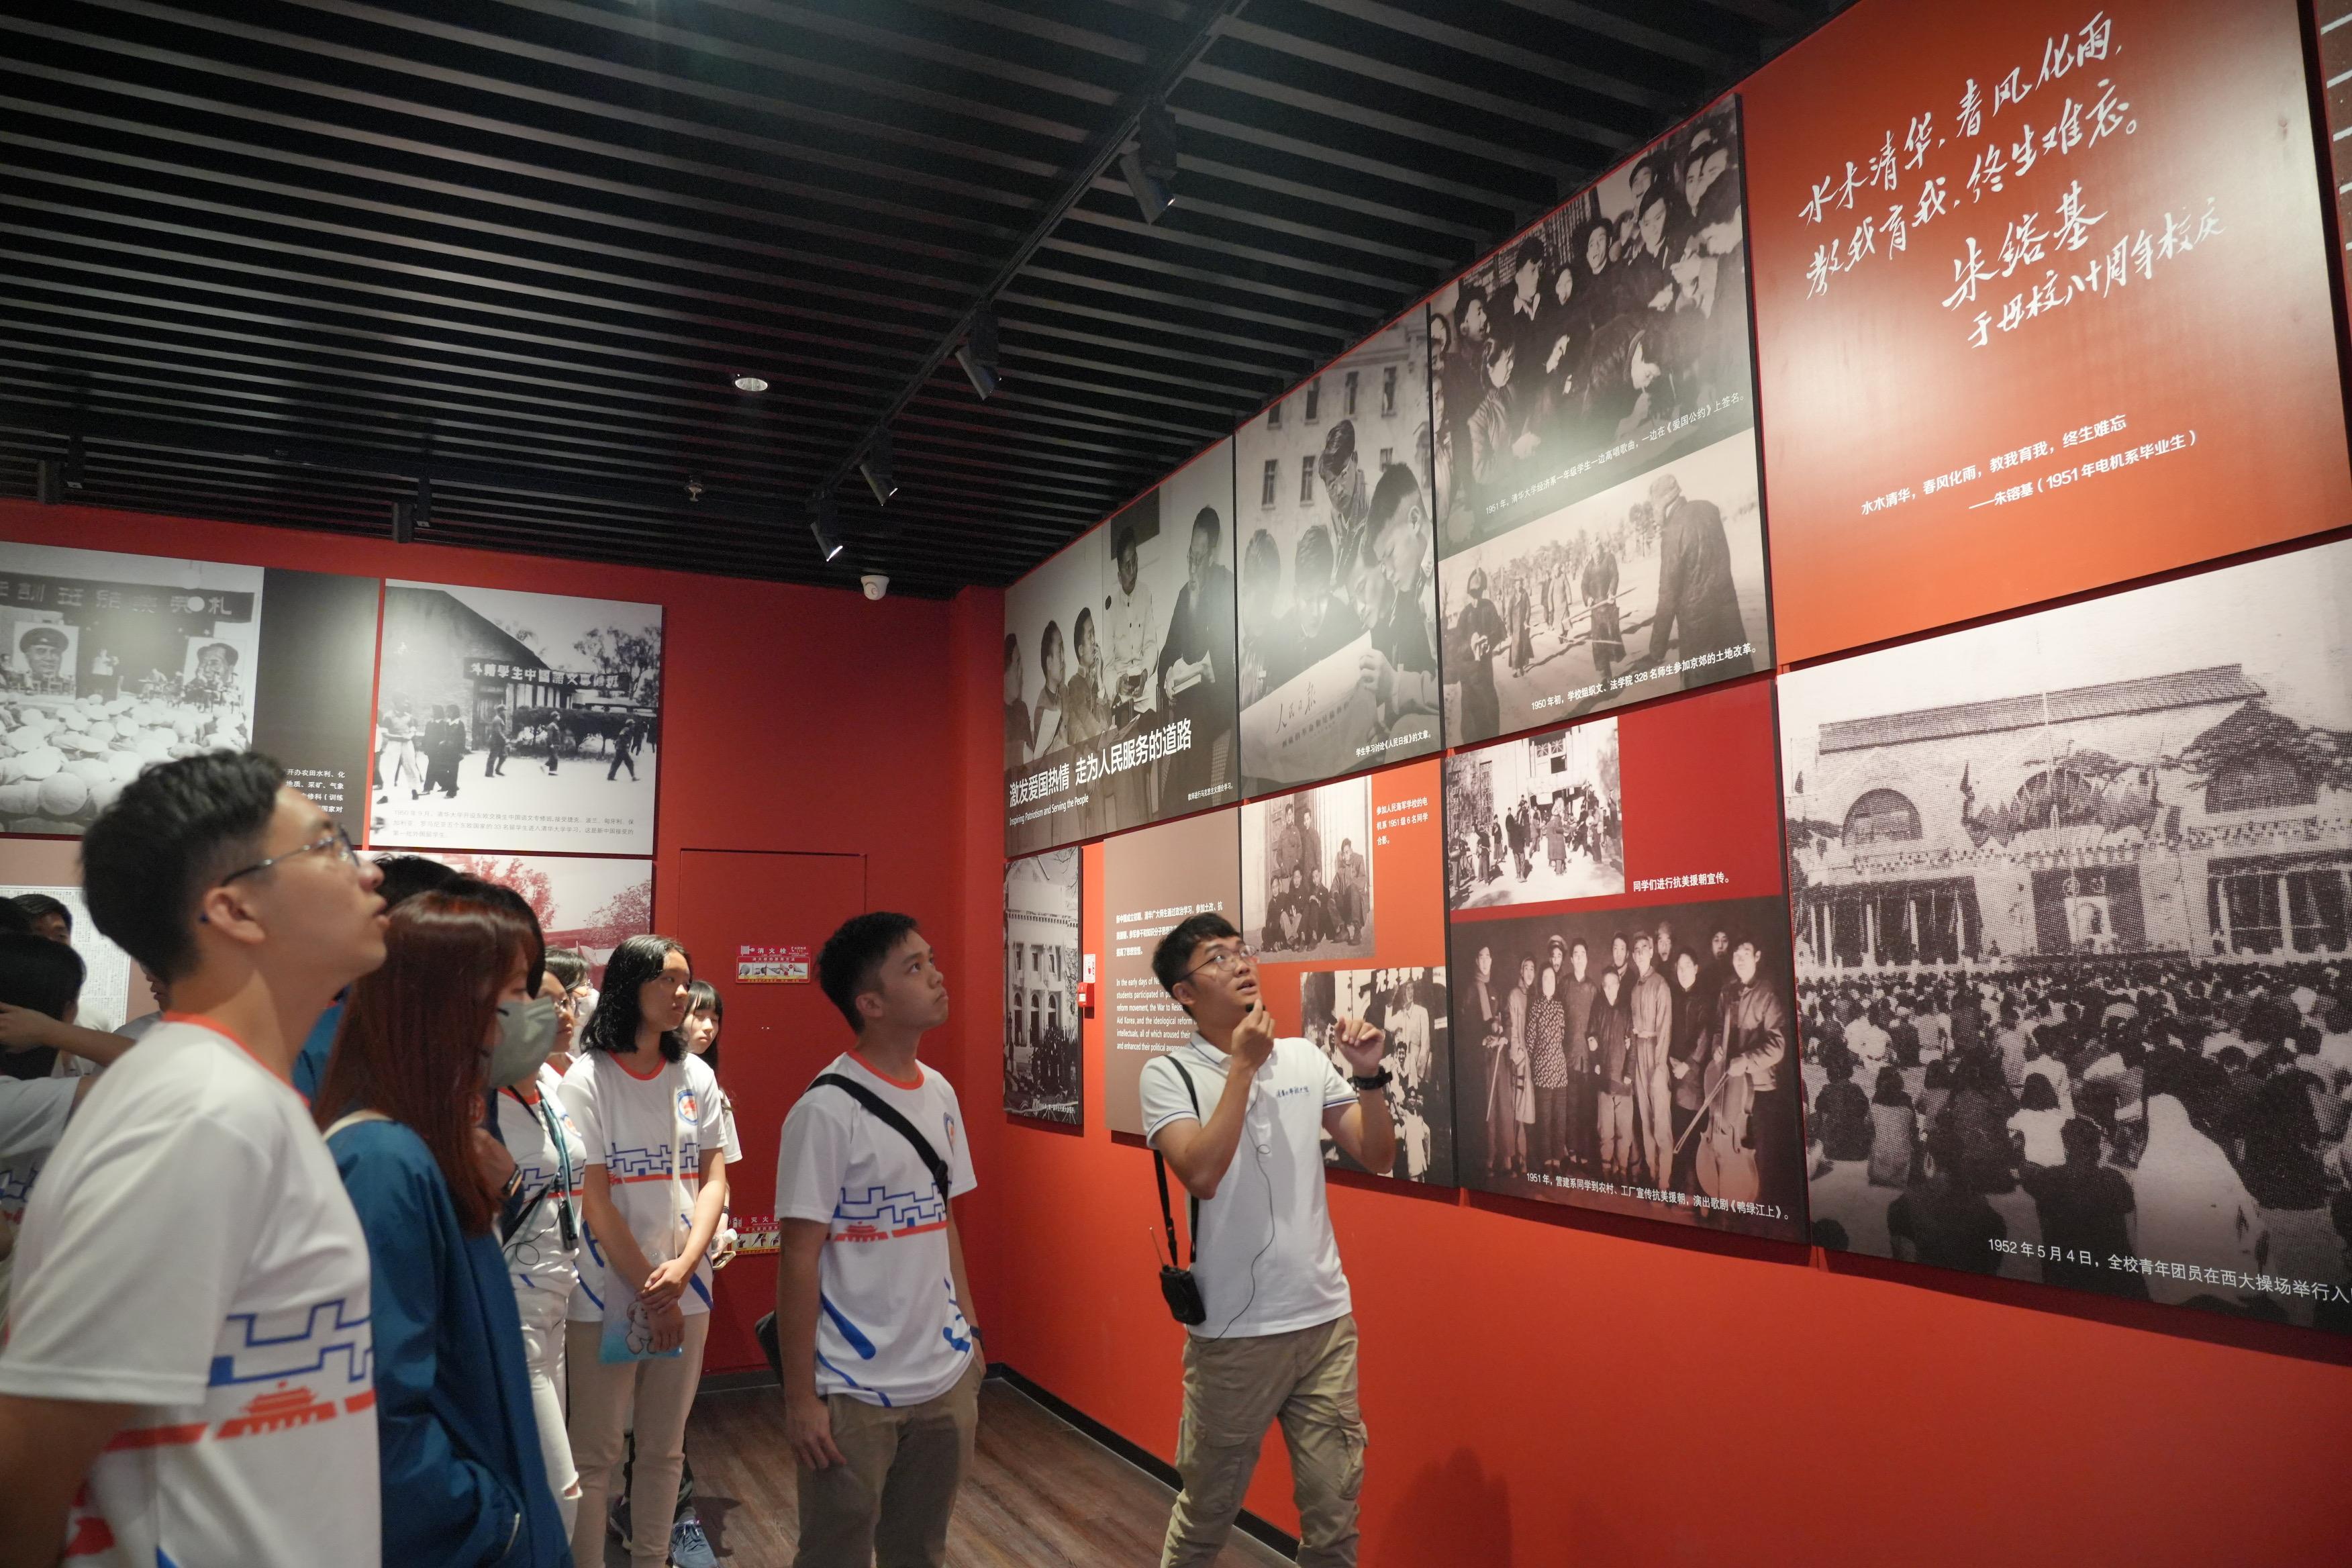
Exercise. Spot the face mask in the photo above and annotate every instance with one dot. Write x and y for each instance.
(526, 1034)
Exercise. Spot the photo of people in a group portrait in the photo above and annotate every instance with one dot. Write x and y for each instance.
(1623, 996)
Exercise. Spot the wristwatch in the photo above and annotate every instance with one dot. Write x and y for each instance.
(1379, 1079)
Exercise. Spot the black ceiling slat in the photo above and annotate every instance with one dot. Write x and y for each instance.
(1345, 241)
(276, 260)
(1295, 179)
(858, 26)
(1484, 51)
(1317, 141)
(423, 77)
(750, 331)
(393, 156)
(1086, 273)
(1123, 121)
(1485, 123)
(1341, 300)
(1605, 25)
(1211, 237)
(565, 428)
(472, 216)
(1090, 39)
(512, 134)
(1050, 293)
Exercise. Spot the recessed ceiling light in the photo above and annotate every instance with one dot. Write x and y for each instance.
(750, 384)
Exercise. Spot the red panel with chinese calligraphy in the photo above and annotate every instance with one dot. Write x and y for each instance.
(2042, 304)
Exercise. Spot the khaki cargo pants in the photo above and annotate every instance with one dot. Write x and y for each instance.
(1233, 1389)
(891, 1502)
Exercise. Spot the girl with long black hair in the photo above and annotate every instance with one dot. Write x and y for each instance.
(653, 1191)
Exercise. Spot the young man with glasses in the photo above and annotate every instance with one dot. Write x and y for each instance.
(1239, 1116)
(188, 1376)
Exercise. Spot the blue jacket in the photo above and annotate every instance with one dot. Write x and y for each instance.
(464, 1482)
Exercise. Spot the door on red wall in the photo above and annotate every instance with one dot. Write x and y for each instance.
(776, 1037)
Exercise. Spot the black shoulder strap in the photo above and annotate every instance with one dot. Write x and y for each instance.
(896, 1122)
(1160, 1171)
(518, 1208)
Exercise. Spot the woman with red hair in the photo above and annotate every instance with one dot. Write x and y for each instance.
(463, 1480)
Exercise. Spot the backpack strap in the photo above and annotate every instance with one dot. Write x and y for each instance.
(354, 1120)
(1159, 1173)
(883, 1112)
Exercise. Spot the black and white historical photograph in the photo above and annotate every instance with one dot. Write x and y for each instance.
(1068, 684)
(1536, 820)
(1127, 696)
(1307, 874)
(1179, 593)
(109, 662)
(1637, 1060)
(516, 721)
(1612, 336)
(2073, 897)
(1338, 577)
(1411, 1007)
(1653, 585)
(1042, 1076)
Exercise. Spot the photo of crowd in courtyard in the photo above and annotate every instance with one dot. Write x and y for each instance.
(1536, 819)
(2070, 897)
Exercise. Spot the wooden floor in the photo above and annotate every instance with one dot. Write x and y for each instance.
(1041, 1493)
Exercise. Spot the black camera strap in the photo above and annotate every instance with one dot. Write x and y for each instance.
(1159, 1170)
(765, 1331)
(890, 1118)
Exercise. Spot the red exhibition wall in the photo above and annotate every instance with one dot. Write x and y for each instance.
(793, 719)
(1542, 1386)
(1545, 1385)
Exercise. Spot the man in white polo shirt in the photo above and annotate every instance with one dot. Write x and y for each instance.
(189, 1374)
(1279, 1341)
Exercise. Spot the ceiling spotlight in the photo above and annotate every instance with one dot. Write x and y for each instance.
(1152, 197)
(824, 527)
(53, 477)
(750, 384)
(977, 354)
(876, 468)
(1151, 164)
(408, 516)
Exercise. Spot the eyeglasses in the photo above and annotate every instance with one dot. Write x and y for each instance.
(334, 838)
(1220, 959)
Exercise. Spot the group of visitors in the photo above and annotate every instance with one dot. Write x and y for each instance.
(386, 1238)
(2057, 1121)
